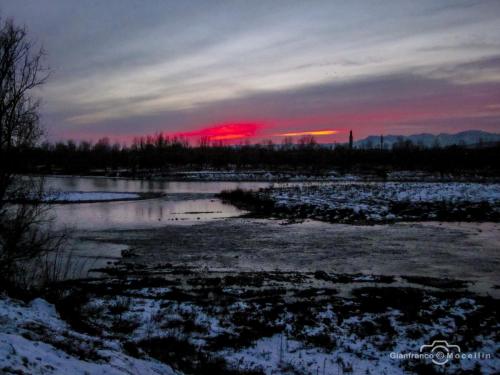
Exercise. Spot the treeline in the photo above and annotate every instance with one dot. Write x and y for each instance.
(160, 153)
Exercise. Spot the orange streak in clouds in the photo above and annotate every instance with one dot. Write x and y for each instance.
(312, 132)
(228, 137)
(235, 131)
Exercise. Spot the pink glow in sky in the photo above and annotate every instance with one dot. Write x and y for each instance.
(256, 70)
(223, 132)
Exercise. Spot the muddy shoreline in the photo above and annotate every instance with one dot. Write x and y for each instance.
(464, 251)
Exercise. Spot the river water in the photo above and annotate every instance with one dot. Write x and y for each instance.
(100, 232)
(183, 203)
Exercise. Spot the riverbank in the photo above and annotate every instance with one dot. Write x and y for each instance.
(71, 197)
(286, 175)
(165, 319)
(374, 202)
(186, 284)
(253, 296)
(466, 251)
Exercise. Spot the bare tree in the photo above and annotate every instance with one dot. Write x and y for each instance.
(307, 141)
(23, 233)
(21, 71)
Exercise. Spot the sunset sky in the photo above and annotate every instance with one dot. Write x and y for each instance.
(253, 70)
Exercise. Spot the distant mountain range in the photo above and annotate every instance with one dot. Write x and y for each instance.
(469, 137)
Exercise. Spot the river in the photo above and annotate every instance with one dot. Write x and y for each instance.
(183, 203)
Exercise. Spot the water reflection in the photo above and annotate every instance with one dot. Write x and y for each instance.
(186, 202)
(123, 185)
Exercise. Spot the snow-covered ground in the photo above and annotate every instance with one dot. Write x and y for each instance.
(87, 196)
(255, 175)
(34, 340)
(377, 201)
(248, 323)
(239, 175)
(287, 323)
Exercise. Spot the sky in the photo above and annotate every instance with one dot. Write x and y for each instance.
(249, 71)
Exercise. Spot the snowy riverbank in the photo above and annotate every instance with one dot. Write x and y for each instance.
(87, 196)
(257, 323)
(35, 340)
(377, 202)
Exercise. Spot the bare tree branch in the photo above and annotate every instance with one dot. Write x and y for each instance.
(24, 235)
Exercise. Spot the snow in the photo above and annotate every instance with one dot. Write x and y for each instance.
(361, 195)
(33, 357)
(291, 351)
(237, 175)
(374, 200)
(88, 196)
(258, 175)
(279, 354)
(35, 340)
(32, 337)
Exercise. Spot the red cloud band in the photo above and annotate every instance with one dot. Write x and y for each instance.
(230, 131)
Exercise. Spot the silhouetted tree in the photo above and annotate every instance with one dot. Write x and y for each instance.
(307, 141)
(21, 71)
(151, 153)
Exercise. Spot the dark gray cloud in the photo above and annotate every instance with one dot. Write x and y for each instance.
(128, 67)
(370, 105)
